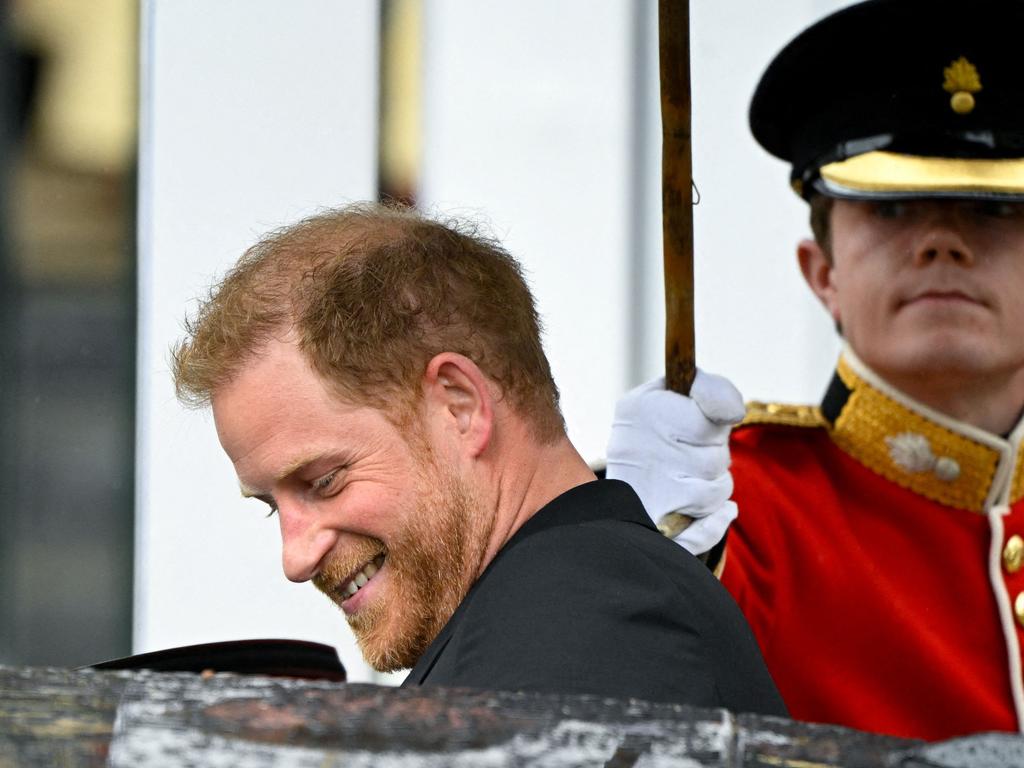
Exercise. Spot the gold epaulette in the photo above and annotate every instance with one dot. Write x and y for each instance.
(783, 414)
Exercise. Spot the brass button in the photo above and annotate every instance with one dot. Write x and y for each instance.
(962, 102)
(1018, 608)
(947, 469)
(1013, 554)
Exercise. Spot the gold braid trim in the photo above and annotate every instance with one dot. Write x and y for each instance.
(870, 417)
(783, 414)
(1017, 487)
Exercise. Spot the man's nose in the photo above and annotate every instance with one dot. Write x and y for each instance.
(304, 543)
(942, 240)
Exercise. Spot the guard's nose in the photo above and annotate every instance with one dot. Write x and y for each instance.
(942, 240)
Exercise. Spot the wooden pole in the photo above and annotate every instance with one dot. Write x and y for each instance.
(676, 210)
(676, 192)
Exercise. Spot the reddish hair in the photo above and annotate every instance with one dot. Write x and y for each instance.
(372, 293)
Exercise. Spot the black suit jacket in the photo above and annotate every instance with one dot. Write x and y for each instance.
(588, 597)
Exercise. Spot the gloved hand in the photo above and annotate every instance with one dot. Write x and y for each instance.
(674, 451)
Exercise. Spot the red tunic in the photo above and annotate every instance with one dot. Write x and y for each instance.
(875, 559)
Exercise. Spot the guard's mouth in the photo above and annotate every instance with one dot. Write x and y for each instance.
(358, 580)
(942, 295)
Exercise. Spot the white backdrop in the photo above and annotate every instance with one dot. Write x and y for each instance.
(540, 118)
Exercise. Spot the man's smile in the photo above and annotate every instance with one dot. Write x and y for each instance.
(360, 578)
(345, 575)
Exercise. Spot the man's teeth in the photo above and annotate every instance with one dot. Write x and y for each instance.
(360, 579)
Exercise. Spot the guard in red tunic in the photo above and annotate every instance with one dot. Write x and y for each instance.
(879, 544)
(877, 557)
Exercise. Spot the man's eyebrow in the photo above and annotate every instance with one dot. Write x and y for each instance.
(294, 466)
(289, 469)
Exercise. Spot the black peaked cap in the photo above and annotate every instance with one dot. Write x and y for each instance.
(873, 76)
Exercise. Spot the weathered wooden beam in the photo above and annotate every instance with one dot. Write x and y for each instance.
(53, 717)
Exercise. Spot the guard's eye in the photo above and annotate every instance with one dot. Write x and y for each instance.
(998, 209)
(890, 209)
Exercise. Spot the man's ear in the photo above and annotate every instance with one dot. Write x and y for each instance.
(818, 271)
(459, 400)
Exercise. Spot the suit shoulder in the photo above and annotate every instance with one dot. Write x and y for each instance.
(599, 552)
(577, 544)
(783, 415)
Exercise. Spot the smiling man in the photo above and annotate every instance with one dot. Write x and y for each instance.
(879, 546)
(377, 379)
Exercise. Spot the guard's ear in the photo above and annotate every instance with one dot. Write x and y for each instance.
(819, 273)
(459, 401)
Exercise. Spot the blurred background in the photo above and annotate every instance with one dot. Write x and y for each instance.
(68, 127)
(145, 144)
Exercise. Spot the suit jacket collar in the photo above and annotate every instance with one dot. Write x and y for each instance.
(590, 502)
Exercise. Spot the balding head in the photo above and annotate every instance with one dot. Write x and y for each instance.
(372, 293)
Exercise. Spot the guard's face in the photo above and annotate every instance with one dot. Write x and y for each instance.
(928, 288)
(367, 513)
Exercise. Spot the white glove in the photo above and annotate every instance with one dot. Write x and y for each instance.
(674, 451)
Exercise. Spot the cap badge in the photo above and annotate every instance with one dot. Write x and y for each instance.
(963, 82)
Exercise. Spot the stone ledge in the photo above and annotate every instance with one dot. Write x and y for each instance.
(54, 717)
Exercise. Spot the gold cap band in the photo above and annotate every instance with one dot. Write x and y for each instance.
(888, 173)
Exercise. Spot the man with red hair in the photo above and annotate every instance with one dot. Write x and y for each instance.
(377, 379)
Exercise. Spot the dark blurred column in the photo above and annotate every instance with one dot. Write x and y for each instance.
(67, 398)
(14, 86)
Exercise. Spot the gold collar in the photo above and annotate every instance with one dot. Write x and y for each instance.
(930, 454)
